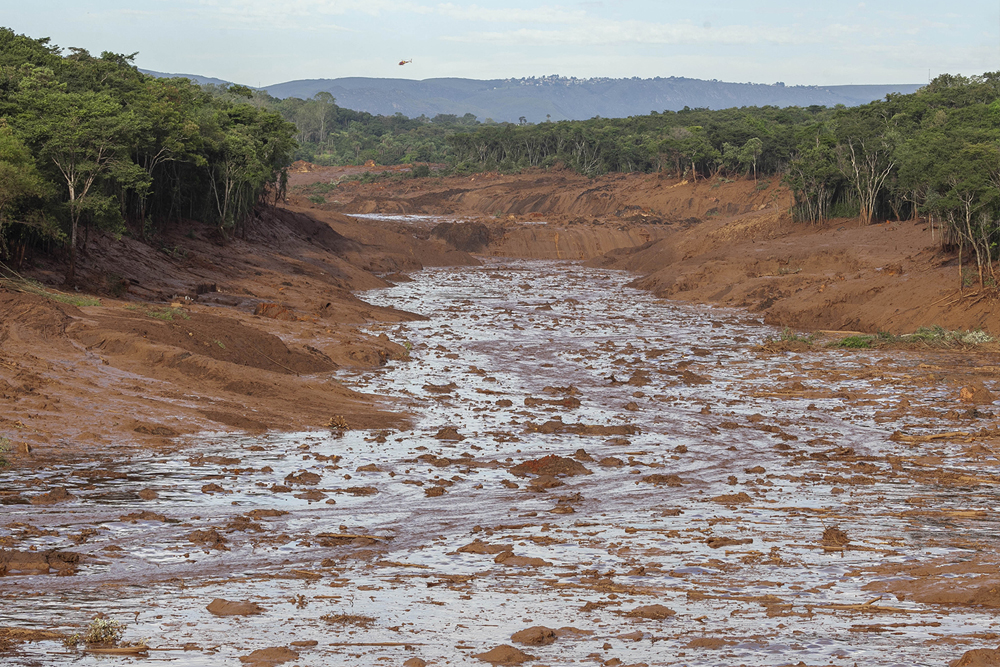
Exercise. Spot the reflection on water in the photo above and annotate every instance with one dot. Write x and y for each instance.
(516, 357)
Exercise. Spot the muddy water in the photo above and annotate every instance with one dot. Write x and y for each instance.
(712, 471)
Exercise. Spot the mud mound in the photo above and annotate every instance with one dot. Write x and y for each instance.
(551, 465)
(35, 314)
(213, 336)
(220, 607)
(505, 654)
(979, 657)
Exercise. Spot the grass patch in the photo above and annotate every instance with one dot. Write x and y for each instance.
(789, 336)
(18, 283)
(167, 314)
(923, 337)
(317, 199)
(855, 342)
(4, 449)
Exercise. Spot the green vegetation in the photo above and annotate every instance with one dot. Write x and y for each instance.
(167, 314)
(924, 336)
(18, 283)
(91, 142)
(789, 336)
(101, 632)
(4, 450)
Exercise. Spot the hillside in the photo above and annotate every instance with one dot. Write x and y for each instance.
(559, 98)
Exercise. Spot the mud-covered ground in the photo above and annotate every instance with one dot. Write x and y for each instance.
(631, 480)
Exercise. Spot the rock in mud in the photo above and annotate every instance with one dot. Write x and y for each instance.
(221, 607)
(304, 477)
(449, 433)
(434, 491)
(655, 612)
(56, 495)
(148, 494)
(505, 654)
(551, 465)
(536, 636)
(267, 657)
(979, 657)
(415, 662)
(582, 455)
(976, 394)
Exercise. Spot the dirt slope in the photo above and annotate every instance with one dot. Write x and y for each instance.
(199, 333)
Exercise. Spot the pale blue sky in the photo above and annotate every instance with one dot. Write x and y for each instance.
(259, 42)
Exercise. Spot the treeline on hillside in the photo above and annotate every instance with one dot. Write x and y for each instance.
(935, 152)
(330, 135)
(90, 141)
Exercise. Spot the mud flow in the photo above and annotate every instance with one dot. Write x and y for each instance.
(639, 477)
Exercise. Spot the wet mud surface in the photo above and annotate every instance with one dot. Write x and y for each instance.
(633, 480)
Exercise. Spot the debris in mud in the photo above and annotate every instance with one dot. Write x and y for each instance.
(348, 619)
(144, 515)
(480, 547)
(654, 612)
(56, 495)
(505, 654)
(550, 465)
(978, 657)
(38, 562)
(835, 537)
(269, 657)
(213, 488)
(717, 542)
(538, 635)
(449, 433)
(733, 498)
(304, 477)
(441, 388)
(554, 426)
(667, 480)
(209, 538)
(693, 379)
(221, 607)
(508, 558)
(148, 494)
(434, 491)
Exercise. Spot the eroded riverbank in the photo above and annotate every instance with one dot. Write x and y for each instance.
(582, 452)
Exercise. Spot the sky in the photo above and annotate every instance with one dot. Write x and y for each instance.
(261, 42)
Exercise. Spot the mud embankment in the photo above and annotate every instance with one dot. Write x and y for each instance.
(544, 215)
(714, 241)
(196, 332)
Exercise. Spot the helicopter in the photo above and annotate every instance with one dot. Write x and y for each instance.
(404, 62)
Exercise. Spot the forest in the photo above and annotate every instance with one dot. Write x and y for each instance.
(91, 142)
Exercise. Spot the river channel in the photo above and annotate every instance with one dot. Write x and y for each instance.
(580, 452)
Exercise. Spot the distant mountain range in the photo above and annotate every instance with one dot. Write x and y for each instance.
(560, 98)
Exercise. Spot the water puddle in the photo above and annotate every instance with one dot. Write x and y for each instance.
(759, 496)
